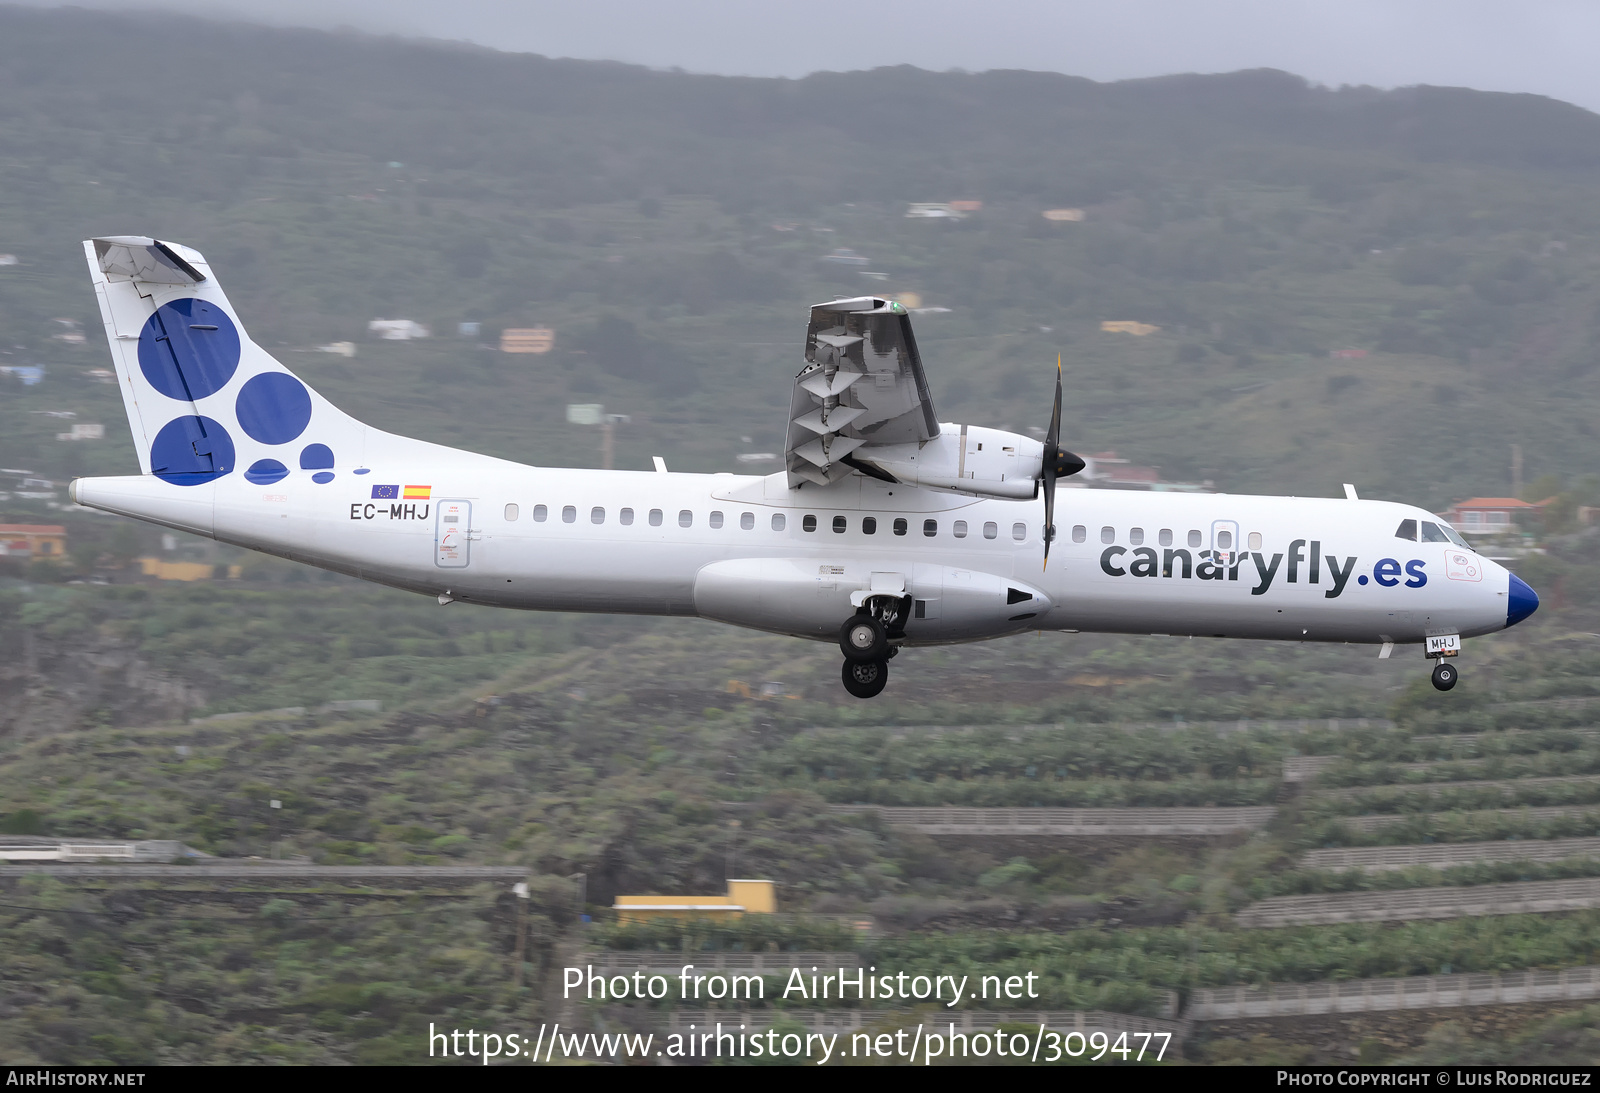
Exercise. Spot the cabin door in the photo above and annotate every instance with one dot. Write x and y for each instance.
(452, 536)
(1225, 544)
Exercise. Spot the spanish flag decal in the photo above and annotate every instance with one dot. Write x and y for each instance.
(418, 493)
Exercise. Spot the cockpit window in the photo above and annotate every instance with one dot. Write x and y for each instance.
(1456, 538)
(1408, 530)
(1432, 534)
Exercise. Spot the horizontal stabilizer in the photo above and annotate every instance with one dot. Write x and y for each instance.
(137, 258)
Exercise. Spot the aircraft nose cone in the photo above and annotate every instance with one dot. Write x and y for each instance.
(1521, 601)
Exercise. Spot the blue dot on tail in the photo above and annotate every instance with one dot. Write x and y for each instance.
(190, 450)
(322, 478)
(362, 470)
(189, 349)
(264, 472)
(316, 457)
(273, 407)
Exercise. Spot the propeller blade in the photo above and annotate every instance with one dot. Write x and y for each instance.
(1052, 446)
(1052, 437)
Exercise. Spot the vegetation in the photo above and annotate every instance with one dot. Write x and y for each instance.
(671, 228)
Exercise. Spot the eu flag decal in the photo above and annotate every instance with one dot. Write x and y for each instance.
(385, 493)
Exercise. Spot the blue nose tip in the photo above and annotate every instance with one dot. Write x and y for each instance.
(1521, 601)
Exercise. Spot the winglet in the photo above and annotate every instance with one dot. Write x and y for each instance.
(661, 464)
(1350, 492)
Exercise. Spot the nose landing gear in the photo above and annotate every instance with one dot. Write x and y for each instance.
(868, 640)
(1440, 648)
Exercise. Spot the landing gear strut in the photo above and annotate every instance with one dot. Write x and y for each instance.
(1444, 675)
(869, 639)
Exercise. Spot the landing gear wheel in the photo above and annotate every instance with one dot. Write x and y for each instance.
(863, 638)
(865, 678)
(1444, 675)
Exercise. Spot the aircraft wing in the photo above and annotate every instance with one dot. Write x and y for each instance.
(862, 387)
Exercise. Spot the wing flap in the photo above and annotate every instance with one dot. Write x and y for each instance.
(863, 382)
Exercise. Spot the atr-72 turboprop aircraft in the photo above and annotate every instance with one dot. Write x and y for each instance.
(886, 529)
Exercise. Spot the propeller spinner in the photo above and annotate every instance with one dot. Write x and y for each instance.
(1058, 463)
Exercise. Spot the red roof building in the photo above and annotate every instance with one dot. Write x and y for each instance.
(1487, 515)
(33, 540)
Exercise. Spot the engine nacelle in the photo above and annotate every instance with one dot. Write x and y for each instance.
(965, 459)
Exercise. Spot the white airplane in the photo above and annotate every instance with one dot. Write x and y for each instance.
(887, 529)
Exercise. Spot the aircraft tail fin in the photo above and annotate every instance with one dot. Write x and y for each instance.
(202, 399)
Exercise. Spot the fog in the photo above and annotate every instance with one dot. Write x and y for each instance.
(1486, 44)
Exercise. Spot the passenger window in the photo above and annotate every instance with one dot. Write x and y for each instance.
(839, 524)
(1255, 540)
(959, 529)
(1136, 536)
(625, 517)
(655, 518)
(930, 528)
(1224, 540)
(569, 514)
(808, 522)
(747, 521)
(869, 525)
(512, 512)
(1165, 536)
(778, 521)
(1407, 530)
(685, 518)
(900, 526)
(1019, 532)
(1194, 537)
(1432, 534)
(1108, 535)
(716, 519)
(1079, 533)
(597, 515)
(540, 513)
(991, 530)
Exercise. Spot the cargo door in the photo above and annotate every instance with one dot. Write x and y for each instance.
(452, 537)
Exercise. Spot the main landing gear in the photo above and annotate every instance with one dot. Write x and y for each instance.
(868, 640)
(865, 678)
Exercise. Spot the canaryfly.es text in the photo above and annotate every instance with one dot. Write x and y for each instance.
(1294, 567)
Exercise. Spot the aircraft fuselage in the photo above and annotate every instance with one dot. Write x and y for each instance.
(751, 551)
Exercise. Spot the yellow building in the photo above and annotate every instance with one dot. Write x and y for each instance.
(33, 540)
(533, 339)
(1128, 326)
(184, 571)
(745, 897)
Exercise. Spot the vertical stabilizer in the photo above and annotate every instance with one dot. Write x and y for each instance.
(203, 400)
